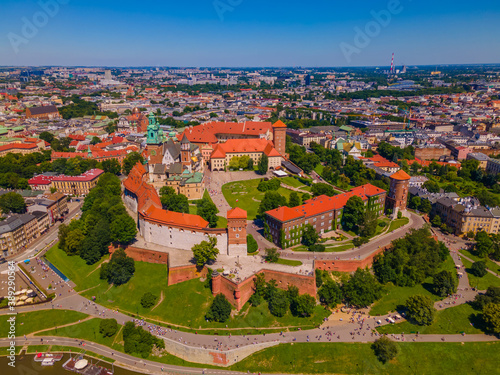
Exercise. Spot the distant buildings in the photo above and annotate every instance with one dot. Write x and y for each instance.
(49, 112)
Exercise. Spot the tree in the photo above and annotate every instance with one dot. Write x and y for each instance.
(205, 251)
(445, 283)
(249, 165)
(436, 221)
(62, 234)
(484, 244)
(322, 189)
(492, 295)
(330, 293)
(491, 316)
(425, 206)
(108, 327)
(208, 211)
(175, 202)
(220, 310)
(123, 229)
(369, 224)
(420, 309)
(130, 161)
(12, 202)
(46, 136)
(303, 305)
(431, 186)
(385, 349)
(112, 166)
(309, 236)
(148, 300)
(95, 140)
(415, 203)
(263, 165)
(362, 289)
(353, 213)
(272, 255)
(278, 303)
(317, 248)
(479, 269)
(73, 242)
(252, 245)
(119, 269)
(294, 200)
(271, 200)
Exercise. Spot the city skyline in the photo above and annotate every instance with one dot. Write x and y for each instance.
(236, 33)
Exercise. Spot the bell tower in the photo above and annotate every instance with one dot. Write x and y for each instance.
(185, 151)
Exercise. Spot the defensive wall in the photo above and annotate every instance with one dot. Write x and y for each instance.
(350, 265)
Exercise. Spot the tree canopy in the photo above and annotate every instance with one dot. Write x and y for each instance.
(205, 251)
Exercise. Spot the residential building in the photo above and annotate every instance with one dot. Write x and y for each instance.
(77, 185)
(493, 166)
(16, 233)
(480, 157)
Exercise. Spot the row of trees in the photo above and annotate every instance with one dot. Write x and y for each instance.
(104, 220)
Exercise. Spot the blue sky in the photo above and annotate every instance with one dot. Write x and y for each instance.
(248, 32)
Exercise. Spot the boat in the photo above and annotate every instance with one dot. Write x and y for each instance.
(80, 365)
(47, 359)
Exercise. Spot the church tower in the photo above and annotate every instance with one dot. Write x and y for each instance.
(154, 142)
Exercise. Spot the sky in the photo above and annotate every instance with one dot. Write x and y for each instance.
(248, 33)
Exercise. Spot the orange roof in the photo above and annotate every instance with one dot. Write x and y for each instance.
(175, 218)
(207, 133)
(236, 213)
(323, 203)
(244, 146)
(279, 124)
(401, 175)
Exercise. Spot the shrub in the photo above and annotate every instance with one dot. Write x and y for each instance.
(148, 300)
(479, 269)
(252, 245)
(317, 248)
(108, 327)
(385, 349)
(220, 310)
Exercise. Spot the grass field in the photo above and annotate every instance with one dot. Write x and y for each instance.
(398, 223)
(244, 194)
(481, 283)
(341, 358)
(293, 182)
(319, 169)
(289, 262)
(397, 295)
(38, 320)
(453, 320)
(489, 263)
(75, 268)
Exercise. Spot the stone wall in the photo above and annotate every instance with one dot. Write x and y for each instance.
(211, 356)
(142, 255)
(179, 238)
(347, 265)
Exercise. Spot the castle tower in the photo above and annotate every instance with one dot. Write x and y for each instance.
(154, 146)
(398, 192)
(237, 232)
(185, 151)
(279, 137)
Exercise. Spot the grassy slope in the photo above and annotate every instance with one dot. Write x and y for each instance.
(482, 283)
(38, 320)
(341, 358)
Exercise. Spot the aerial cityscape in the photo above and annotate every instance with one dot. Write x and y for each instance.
(233, 187)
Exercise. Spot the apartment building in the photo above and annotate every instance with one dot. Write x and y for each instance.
(77, 185)
(16, 233)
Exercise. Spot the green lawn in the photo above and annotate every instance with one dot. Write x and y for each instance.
(397, 295)
(453, 320)
(342, 358)
(221, 222)
(481, 283)
(291, 181)
(398, 223)
(289, 262)
(244, 194)
(88, 331)
(193, 210)
(489, 263)
(38, 320)
(319, 169)
(75, 268)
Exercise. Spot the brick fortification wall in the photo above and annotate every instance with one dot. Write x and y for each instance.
(142, 255)
(347, 265)
(184, 273)
(239, 294)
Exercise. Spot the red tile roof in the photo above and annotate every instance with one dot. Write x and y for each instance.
(236, 213)
(401, 175)
(244, 146)
(87, 176)
(207, 133)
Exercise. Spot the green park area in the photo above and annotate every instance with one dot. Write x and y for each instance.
(342, 358)
(489, 263)
(481, 283)
(193, 295)
(244, 194)
(39, 320)
(395, 296)
(453, 320)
